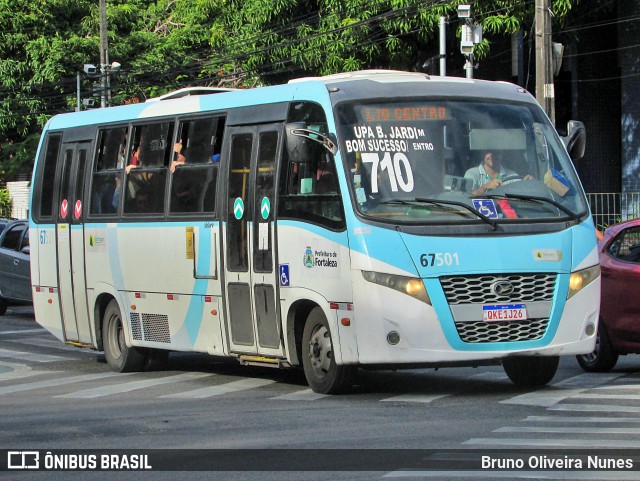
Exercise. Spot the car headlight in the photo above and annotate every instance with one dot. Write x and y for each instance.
(581, 279)
(412, 286)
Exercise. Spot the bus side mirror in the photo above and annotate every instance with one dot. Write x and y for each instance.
(576, 139)
(302, 142)
(299, 146)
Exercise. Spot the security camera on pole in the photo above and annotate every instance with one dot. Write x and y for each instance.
(471, 36)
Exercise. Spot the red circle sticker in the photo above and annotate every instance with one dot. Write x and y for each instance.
(64, 208)
(77, 209)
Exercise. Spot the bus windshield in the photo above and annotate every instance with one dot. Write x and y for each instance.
(442, 161)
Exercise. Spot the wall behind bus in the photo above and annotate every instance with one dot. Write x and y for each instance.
(19, 193)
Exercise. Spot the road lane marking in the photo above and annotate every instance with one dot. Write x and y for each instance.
(110, 390)
(416, 398)
(32, 386)
(563, 443)
(604, 408)
(221, 389)
(30, 356)
(566, 429)
(556, 392)
(304, 395)
(581, 419)
(23, 331)
(520, 474)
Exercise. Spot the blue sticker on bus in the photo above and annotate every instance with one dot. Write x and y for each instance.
(486, 207)
(284, 275)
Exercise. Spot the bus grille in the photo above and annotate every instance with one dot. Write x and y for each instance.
(477, 289)
(513, 331)
(150, 327)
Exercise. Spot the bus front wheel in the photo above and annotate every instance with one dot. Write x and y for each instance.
(119, 356)
(321, 371)
(531, 371)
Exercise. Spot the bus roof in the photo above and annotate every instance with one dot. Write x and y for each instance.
(334, 88)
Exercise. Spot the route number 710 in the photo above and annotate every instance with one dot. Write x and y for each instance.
(394, 169)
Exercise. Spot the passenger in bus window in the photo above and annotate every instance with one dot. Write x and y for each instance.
(491, 174)
(134, 159)
(179, 156)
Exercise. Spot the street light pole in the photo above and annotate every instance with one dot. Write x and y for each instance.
(104, 55)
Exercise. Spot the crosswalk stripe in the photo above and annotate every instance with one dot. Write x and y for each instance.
(10, 370)
(633, 397)
(133, 385)
(581, 419)
(31, 386)
(221, 389)
(304, 395)
(30, 356)
(620, 386)
(523, 474)
(561, 390)
(548, 442)
(566, 429)
(51, 344)
(416, 398)
(23, 331)
(605, 408)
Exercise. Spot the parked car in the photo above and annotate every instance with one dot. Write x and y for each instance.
(3, 224)
(619, 326)
(15, 273)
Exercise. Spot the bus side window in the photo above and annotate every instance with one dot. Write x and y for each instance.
(193, 184)
(107, 173)
(308, 187)
(149, 162)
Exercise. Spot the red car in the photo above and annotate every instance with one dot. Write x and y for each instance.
(619, 326)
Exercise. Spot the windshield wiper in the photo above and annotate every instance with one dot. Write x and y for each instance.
(491, 222)
(534, 198)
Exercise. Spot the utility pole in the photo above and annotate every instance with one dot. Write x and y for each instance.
(443, 46)
(544, 59)
(104, 55)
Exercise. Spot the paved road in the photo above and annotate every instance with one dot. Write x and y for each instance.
(54, 396)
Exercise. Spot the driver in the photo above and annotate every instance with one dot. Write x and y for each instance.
(490, 174)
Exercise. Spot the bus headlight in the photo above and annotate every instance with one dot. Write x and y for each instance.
(581, 279)
(411, 286)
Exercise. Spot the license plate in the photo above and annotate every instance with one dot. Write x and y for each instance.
(504, 312)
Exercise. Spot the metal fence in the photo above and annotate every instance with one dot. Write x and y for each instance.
(614, 207)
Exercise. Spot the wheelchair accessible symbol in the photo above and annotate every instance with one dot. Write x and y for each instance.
(486, 207)
(284, 275)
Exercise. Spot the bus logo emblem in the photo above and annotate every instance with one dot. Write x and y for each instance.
(502, 288)
(308, 258)
(238, 208)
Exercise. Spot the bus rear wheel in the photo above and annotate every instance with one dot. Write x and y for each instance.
(321, 371)
(119, 356)
(532, 370)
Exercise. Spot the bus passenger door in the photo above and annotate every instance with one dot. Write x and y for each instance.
(253, 317)
(70, 234)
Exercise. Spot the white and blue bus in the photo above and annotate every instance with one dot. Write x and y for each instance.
(354, 220)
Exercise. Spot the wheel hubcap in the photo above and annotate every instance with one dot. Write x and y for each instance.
(117, 336)
(320, 351)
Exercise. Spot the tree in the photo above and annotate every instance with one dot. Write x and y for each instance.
(167, 44)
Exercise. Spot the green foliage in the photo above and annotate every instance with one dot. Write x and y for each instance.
(5, 203)
(167, 44)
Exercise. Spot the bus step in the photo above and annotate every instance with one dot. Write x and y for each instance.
(262, 361)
